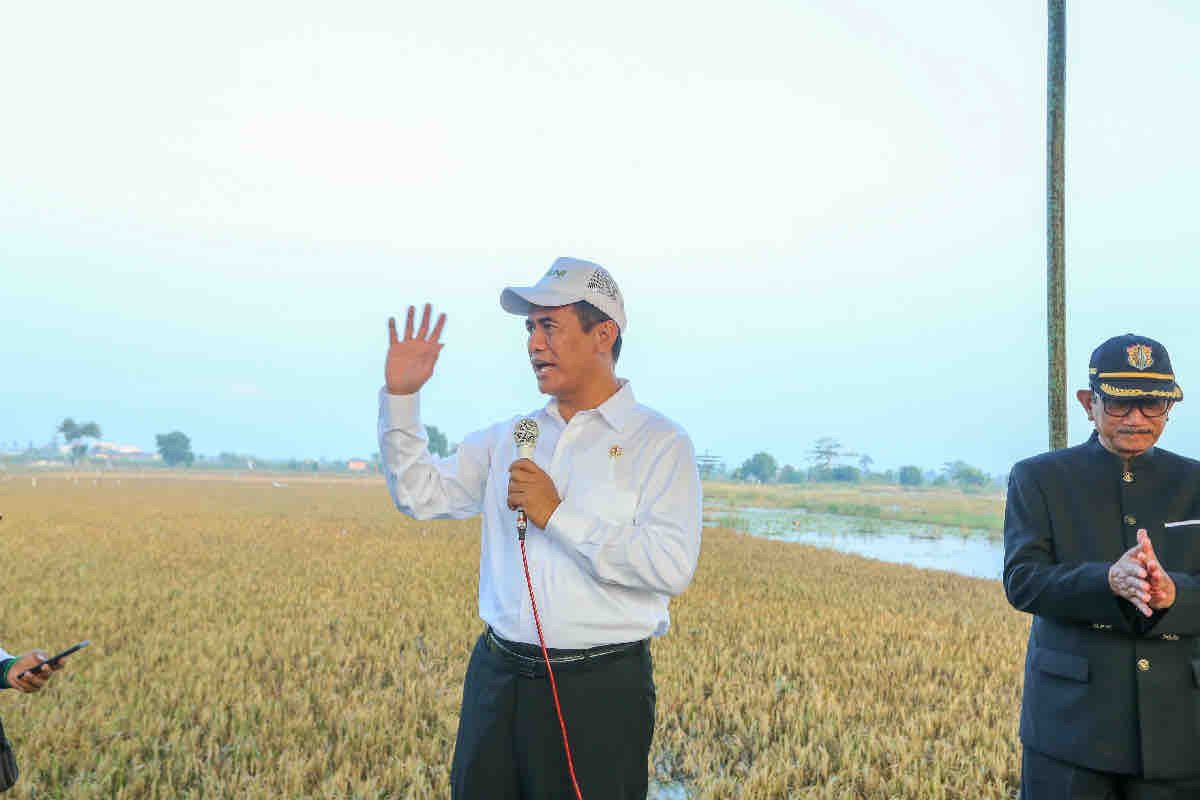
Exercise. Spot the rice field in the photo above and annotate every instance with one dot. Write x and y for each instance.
(306, 640)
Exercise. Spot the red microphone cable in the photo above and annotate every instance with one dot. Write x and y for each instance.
(546, 657)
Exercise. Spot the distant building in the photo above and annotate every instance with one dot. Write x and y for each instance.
(357, 465)
(111, 451)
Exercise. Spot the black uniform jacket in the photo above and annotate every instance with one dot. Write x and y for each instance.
(1105, 687)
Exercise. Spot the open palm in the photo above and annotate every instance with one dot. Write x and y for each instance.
(410, 360)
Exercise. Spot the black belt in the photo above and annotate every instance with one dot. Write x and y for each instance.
(529, 656)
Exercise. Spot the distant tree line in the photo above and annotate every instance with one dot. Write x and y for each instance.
(828, 462)
(175, 450)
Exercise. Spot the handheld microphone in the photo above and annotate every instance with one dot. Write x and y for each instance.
(525, 435)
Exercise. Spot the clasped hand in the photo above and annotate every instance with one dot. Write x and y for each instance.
(1138, 577)
(532, 489)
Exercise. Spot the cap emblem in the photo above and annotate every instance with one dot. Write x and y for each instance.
(556, 273)
(603, 283)
(1139, 356)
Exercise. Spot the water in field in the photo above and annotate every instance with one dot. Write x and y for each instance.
(966, 551)
(666, 791)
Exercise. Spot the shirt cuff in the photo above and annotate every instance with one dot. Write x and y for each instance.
(399, 411)
(570, 524)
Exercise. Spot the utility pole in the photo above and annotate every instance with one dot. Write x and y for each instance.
(1055, 206)
(707, 464)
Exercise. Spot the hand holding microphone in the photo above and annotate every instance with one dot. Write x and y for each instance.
(531, 488)
(531, 492)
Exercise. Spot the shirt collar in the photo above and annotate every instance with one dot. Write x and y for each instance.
(615, 410)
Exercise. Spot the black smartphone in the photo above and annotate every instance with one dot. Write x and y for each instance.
(56, 658)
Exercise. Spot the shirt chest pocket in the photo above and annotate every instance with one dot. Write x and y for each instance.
(1178, 543)
(612, 504)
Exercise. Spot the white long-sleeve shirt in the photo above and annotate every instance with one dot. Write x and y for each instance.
(623, 541)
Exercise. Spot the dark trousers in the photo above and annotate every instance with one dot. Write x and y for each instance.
(510, 745)
(1046, 778)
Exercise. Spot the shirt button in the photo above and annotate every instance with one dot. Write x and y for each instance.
(1144, 664)
(1130, 520)
(1127, 477)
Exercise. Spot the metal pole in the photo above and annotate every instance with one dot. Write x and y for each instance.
(1055, 207)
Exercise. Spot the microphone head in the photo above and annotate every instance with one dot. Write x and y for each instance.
(525, 435)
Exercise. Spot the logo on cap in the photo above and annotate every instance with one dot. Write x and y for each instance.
(603, 283)
(1139, 356)
(556, 273)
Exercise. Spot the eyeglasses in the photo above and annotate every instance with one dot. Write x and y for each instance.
(1150, 407)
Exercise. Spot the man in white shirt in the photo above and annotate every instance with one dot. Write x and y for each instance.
(613, 502)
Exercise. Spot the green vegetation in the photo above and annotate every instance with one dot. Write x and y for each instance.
(940, 506)
(910, 475)
(761, 467)
(438, 445)
(175, 448)
(75, 432)
(828, 463)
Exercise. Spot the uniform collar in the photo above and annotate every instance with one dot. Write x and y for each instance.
(1145, 459)
(615, 410)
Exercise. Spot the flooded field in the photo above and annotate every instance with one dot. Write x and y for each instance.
(967, 551)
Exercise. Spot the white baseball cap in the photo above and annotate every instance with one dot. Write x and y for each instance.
(568, 281)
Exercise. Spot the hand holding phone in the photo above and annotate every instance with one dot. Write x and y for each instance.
(53, 660)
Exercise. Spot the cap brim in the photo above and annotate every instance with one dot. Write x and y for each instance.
(1132, 390)
(520, 299)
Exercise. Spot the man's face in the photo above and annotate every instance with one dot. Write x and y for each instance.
(1127, 436)
(564, 358)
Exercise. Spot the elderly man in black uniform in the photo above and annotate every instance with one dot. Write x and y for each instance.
(1102, 546)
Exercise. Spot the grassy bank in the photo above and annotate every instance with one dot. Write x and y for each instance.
(253, 641)
(938, 506)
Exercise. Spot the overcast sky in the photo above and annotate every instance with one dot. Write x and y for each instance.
(827, 217)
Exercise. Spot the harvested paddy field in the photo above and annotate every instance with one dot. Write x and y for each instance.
(262, 641)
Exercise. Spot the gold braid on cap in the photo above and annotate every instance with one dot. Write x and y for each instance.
(1118, 391)
(1150, 376)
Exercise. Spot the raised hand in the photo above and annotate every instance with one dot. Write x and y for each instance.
(1162, 587)
(410, 361)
